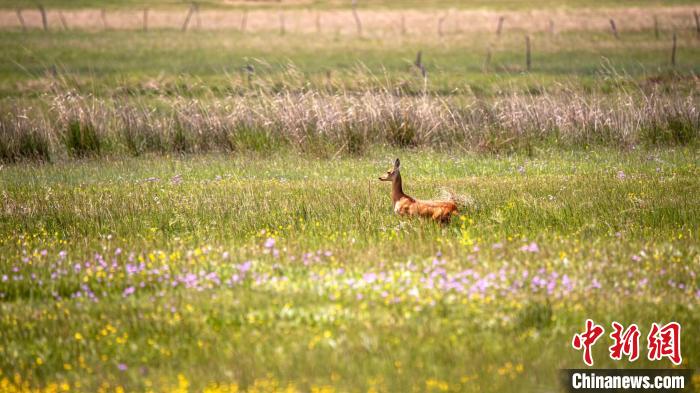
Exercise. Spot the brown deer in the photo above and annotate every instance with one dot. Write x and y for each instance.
(440, 211)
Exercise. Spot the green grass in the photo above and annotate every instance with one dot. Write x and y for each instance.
(187, 64)
(626, 220)
(272, 260)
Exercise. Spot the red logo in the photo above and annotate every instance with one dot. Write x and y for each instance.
(626, 342)
(662, 342)
(586, 340)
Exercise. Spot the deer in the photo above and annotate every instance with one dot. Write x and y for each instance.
(440, 211)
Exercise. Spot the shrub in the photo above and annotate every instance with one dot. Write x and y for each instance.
(81, 139)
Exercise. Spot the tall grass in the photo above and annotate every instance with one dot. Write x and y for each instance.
(71, 125)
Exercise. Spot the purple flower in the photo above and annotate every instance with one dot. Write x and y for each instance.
(621, 175)
(122, 367)
(636, 258)
(270, 242)
(532, 247)
(128, 291)
(369, 277)
(244, 267)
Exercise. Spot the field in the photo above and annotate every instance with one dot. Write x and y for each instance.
(200, 210)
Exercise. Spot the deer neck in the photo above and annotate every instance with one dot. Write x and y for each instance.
(396, 189)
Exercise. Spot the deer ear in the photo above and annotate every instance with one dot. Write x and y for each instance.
(397, 163)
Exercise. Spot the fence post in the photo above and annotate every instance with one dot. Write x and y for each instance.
(188, 17)
(403, 24)
(63, 20)
(44, 20)
(528, 58)
(499, 28)
(357, 17)
(103, 16)
(697, 23)
(244, 20)
(21, 19)
(614, 28)
(419, 63)
(656, 27)
(145, 19)
(673, 51)
(318, 22)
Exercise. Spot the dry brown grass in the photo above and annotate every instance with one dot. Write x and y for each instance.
(374, 22)
(342, 123)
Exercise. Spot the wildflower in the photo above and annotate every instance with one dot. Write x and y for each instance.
(122, 367)
(244, 267)
(532, 247)
(128, 291)
(621, 175)
(270, 242)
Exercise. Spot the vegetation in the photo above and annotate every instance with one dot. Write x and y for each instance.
(200, 210)
(294, 272)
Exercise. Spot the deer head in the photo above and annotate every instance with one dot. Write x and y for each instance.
(392, 173)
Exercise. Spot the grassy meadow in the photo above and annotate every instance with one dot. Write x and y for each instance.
(200, 211)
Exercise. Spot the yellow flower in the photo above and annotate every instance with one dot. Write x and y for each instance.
(78, 336)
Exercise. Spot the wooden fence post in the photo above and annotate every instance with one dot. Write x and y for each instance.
(528, 58)
(103, 16)
(63, 20)
(318, 22)
(44, 20)
(21, 19)
(673, 51)
(403, 24)
(499, 28)
(697, 23)
(614, 28)
(419, 63)
(244, 20)
(357, 17)
(145, 19)
(656, 27)
(188, 17)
